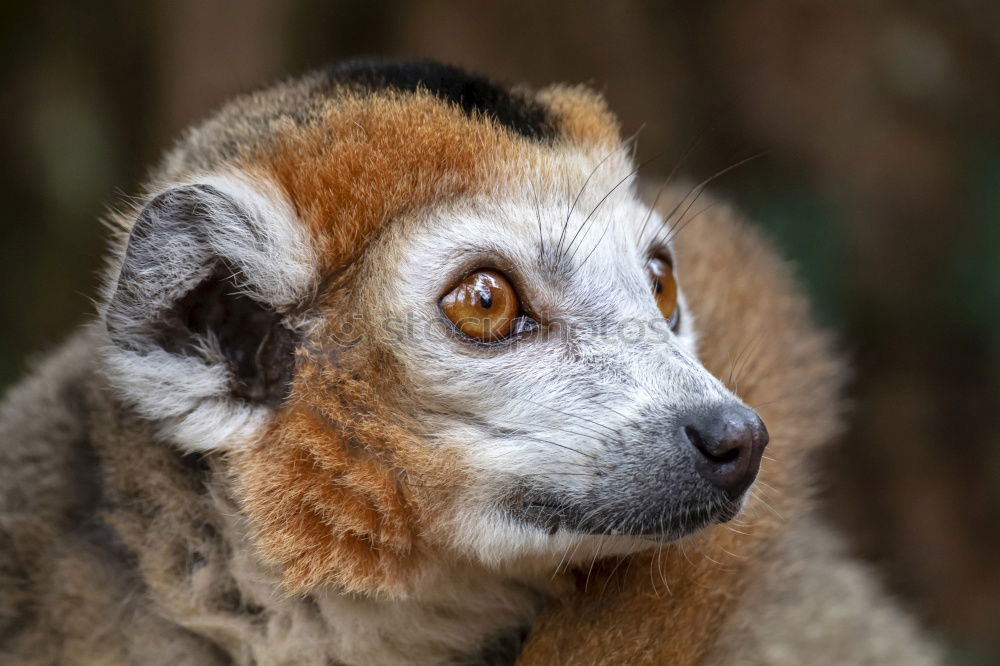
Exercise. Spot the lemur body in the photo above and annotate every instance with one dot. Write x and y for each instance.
(284, 440)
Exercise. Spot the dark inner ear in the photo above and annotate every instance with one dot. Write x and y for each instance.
(259, 349)
(155, 305)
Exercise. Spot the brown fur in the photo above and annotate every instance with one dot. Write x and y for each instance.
(367, 160)
(124, 550)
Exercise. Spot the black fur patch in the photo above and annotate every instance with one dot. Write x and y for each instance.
(472, 93)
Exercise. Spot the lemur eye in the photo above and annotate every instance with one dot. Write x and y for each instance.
(484, 306)
(665, 289)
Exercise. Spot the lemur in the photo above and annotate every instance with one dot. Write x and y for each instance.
(397, 365)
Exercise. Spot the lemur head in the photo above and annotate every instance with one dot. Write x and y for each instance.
(421, 316)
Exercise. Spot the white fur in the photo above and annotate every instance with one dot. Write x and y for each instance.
(564, 402)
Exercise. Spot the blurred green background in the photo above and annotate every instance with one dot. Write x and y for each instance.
(881, 122)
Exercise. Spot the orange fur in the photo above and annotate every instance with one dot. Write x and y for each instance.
(326, 489)
(583, 114)
(368, 160)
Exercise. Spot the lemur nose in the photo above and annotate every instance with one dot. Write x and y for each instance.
(730, 442)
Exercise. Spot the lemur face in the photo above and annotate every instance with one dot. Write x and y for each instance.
(419, 317)
(546, 338)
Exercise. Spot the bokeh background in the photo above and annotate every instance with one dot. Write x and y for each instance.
(880, 121)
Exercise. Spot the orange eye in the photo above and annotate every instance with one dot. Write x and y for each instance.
(664, 289)
(484, 306)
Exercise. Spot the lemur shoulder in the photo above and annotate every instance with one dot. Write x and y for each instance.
(396, 365)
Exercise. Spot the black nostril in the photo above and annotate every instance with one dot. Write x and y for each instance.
(730, 442)
(720, 455)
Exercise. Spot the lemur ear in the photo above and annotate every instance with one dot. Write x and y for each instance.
(199, 315)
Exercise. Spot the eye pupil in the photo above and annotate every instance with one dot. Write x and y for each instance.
(485, 300)
(658, 287)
